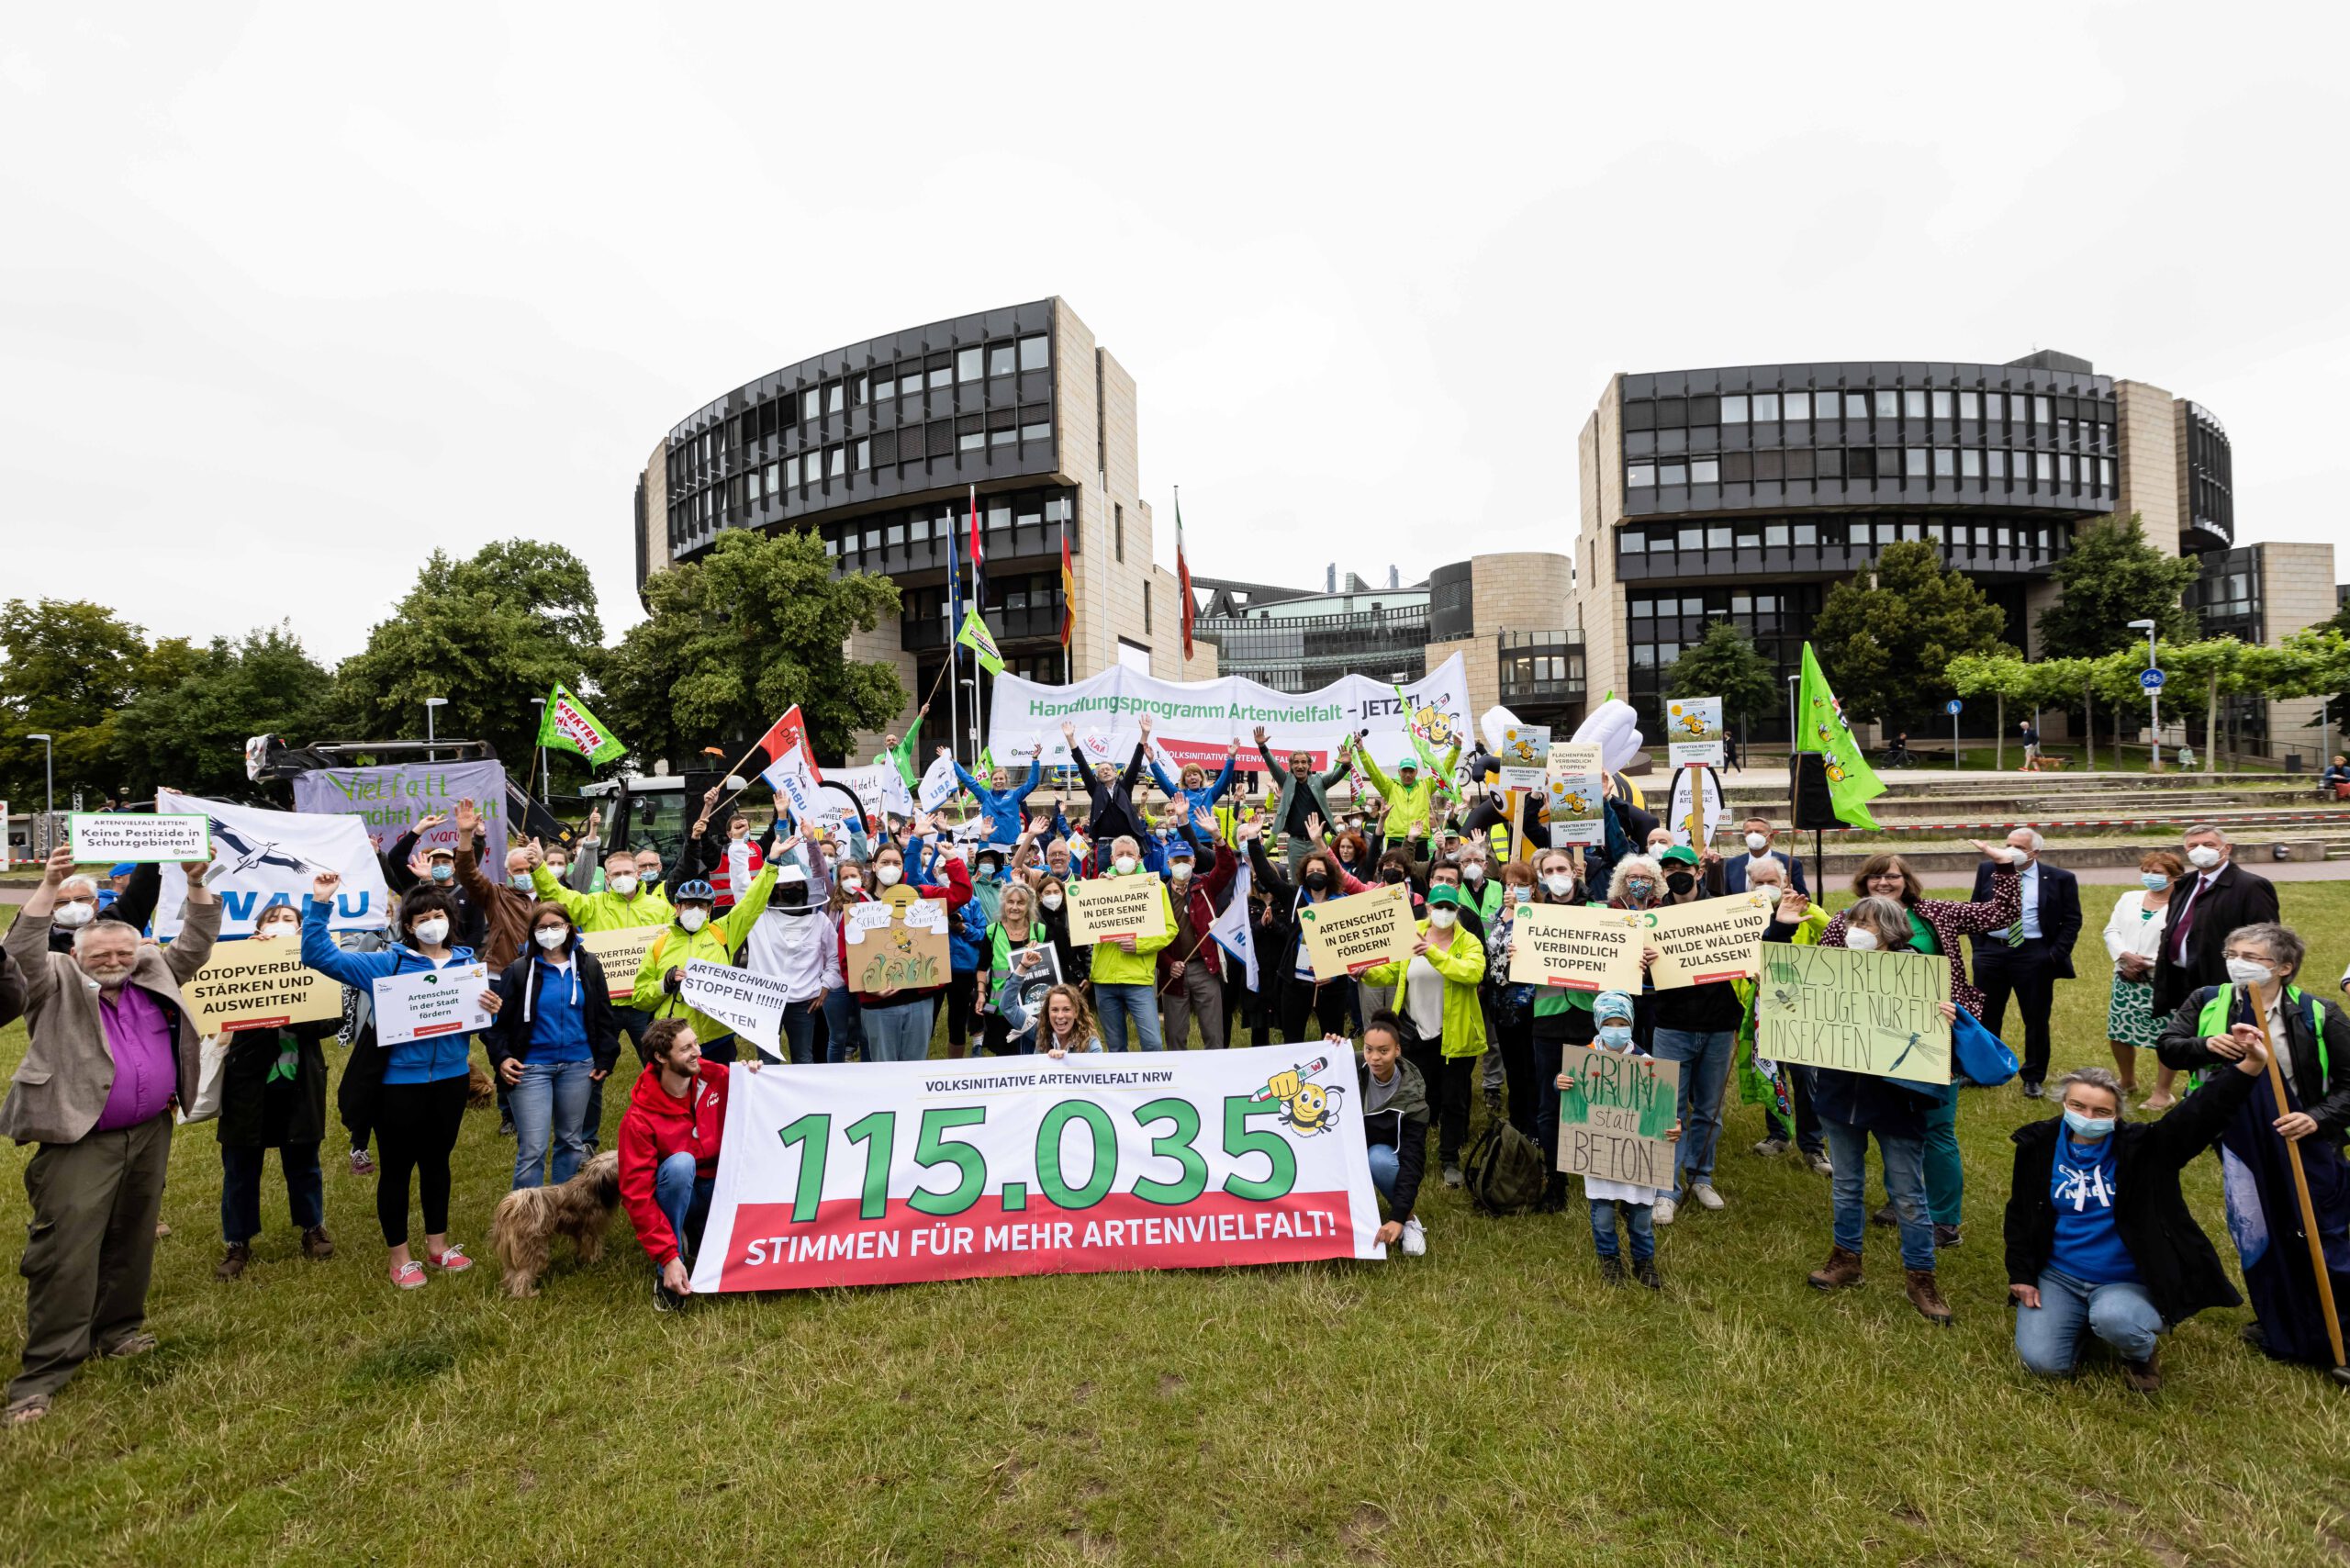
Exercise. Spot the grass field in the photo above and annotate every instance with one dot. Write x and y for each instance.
(1492, 1402)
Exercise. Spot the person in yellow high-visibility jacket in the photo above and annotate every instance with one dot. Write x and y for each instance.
(1411, 800)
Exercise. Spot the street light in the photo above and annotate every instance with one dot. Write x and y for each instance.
(49, 771)
(430, 704)
(541, 704)
(2153, 693)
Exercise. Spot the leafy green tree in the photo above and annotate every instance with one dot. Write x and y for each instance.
(2111, 578)
(489, 633)
(738, 636)
(1725, 664)
(1886, 638)
(70, 666)
(197, 706)
(1999, 675)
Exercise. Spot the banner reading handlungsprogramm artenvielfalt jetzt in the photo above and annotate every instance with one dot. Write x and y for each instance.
(888, 1173)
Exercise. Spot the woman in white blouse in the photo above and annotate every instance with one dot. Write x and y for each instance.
(2134, 939)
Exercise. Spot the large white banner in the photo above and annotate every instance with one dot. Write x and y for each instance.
(885, 1172)
(391, 798)
(1194, 721)
(261, 858)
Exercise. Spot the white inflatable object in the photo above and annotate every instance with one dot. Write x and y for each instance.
(1615, 726)
(1497, 719)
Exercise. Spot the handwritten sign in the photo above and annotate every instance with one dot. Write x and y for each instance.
(1104, 908)
(1878, 1013)
(1694, 732)
(1710, 940)
(421, 1003)
(1576, 947)
(1345, 937)
(623, 954)
(259, 984)
(747, 1002)
(895, 945)
(1576, 789)
(112, 836)
(1614, 1114)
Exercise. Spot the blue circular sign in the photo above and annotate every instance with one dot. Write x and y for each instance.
(1952, 707)
(2152, 679)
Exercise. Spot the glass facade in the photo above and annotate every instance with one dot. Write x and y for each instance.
(1300, 653)
(2210, 479)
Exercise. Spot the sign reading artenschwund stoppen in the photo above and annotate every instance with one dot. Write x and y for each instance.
(259, 984)
(1880, 1014)
(1102, 909)
(1578, 948)
(1712, 939)
(1613, 1113)
(1345, 937)
(749, 1003)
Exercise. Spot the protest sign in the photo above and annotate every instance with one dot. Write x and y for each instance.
(259, 984)
(1614, 1114)
(901, 1171)
(390, 798)
(422, 1004)
(1102, 909)
(105, 837)
(621, 953)
(895, 945)
(1694, 731)
(1030, 969)
(1874, 1012)
(1697, 791)
(1577, 949)
(940, 783)
(1525, 755)
(1345, 937)
(262, 859)
(745, 1002)
(1576, 789)
(1712, 939)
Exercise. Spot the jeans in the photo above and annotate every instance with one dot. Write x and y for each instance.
(551, 1098)
(1945, 1177)
(1705, 1060)
(1113, 1004)
(844, 1025)
(241, 1172)
(900, 1033)
(800, 1032)
(1639, 1222)
(1904, 1158)
(684, 1197)
(2048, 1337)
(1383, 1169)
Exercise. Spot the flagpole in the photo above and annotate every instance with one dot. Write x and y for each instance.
(953, 718)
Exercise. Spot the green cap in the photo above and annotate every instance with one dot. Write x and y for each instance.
(1682, 853)
(1443, 892)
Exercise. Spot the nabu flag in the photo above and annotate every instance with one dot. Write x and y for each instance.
(976, 636)
(1852, 782)
(788, 763)
(1231, 929)
(566, 725)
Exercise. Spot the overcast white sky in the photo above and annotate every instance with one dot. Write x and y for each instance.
(293, 293)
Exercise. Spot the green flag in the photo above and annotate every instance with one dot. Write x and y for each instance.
(1852, 782)
(976, 636)
(568, 726)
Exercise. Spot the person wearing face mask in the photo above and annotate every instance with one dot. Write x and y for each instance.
(1191, 967)
(1561, 1017)
(1004, 807)
(623, 905)
(2216, 896)
(273, 1095)
(1509, 1004)
(1437, 986)
(1052, 914)
(423, 1101)
(1283, 962)
(1613, 1011)
(898, 1024)
(554, 1039)
(1412, 821)
(698, 932)
(2030, 956)
(1695, 1027)
(2216, 1026)
(2099, 1238)
(796, 941)
(1784, 1092)
(1758, 837)
(76, 906)
(1126, 970)
(2133, 940)
(1111, 793)
(844, 1025)
(1193, 793)
(1303, 794)
(110, 1048)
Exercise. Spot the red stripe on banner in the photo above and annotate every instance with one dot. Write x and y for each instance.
(769, 1253)
(431, 1029)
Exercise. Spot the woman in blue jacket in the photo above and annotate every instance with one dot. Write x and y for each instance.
(555, 1039)
(1196, 793)
(423, 1101)
(1004, 807)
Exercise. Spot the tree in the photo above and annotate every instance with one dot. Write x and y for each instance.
(1886, 638)
(489, 633)
(735, 638)
(1725, 663)
(71, 664)
(2111, 578)
(197, 706)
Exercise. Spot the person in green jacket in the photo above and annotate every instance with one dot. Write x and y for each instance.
(900, 755)
(624, 904)
(1305, 796)
(1411, 800)
(694, 934)
(1125, 970)
(1438, 998)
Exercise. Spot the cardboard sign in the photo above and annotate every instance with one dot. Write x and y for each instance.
(418, 1005)
(1878, 1013)
(1347, 935)
(259, 984)
(1694, 731)
(1712, 939)
(749, 1003)
(1103, 908)
(1614, 1114)
(623, 954)
(111, 836)
(1525, 755)
(895, 946)
(1577, 948)
(1697, 791)
(1576, 789)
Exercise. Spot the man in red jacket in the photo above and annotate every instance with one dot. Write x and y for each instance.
(669, 1145)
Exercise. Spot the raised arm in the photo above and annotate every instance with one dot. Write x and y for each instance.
(318, 950)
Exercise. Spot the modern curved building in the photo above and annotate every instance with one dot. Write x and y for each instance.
(876, 446)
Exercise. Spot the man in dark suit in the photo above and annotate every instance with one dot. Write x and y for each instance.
(2029, 958)
(2215, 897)
(1758, 833)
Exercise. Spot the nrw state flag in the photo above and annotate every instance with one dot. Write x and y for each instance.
(567, 725)
(791, 765)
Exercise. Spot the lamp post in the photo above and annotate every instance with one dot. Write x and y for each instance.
(541, 704)
(2153, 693)
(49, 775)
(430, 704)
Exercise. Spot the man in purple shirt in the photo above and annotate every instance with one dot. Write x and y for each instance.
(113, 1047)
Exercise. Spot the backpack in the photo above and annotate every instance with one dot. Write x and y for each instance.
(1503, 1170)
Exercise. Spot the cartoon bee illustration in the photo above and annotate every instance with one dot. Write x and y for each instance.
(1693, 724)
(1835, 772)
(1574, 805)
(1307, 1108)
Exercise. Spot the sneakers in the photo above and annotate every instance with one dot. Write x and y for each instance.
(131, 1345)
(232, 1262)
(1842, 1272)
(1821, 1163)
(317, 1245)
(1771, 1147)
(1645, 1272)
(361, 1163)
(1927, 1296)
(453, 1261)
(2143, 1377)
(1415, 1238)
(2033, 1091)
(1946, 1235)
(1452, 1175)
(409, 1276)
(1665, 1209)
(1612, 1270)
(1706, 1195)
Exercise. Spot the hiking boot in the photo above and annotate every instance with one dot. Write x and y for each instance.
(1946, 1235)
(232, 1262)
(1927, 1296)
(1885, 1216)
(317, 1245)
(1842, 1272)
(2143, 1377)
(1645, 1272)
(1612, 1270)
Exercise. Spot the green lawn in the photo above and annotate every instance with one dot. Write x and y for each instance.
(1492, 1402)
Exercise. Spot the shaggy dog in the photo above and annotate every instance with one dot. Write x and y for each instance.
(522, 1231)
